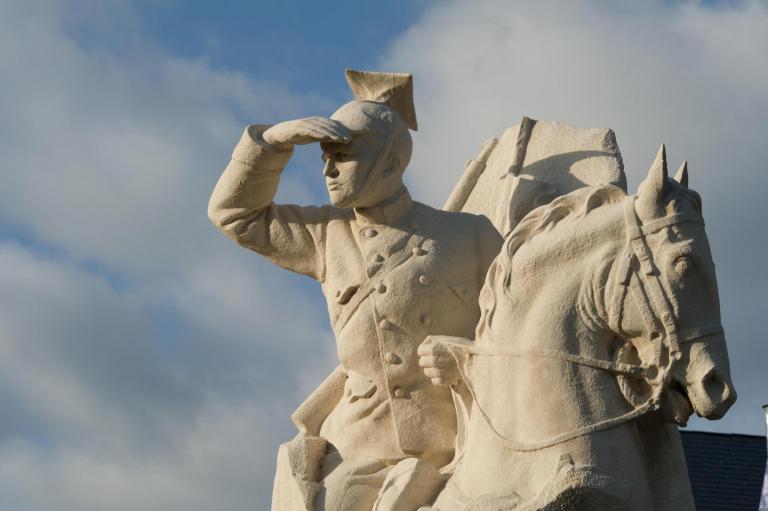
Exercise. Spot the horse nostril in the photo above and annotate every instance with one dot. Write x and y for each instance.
(716, 387)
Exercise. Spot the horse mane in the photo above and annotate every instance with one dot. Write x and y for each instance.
(576, 204)
(570, 207)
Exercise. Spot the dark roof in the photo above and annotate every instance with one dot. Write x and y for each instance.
(726, 470)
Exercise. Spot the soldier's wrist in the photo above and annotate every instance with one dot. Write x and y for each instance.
(252, 149)
(276, 145)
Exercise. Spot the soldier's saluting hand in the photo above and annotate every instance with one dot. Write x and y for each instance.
(286, 134)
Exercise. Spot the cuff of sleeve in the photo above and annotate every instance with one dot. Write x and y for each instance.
(252, 150)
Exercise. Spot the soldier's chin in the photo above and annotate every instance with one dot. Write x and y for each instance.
(341, 199)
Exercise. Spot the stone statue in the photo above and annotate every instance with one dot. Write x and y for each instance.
(552, 379)
(393, 271)
(600, 333)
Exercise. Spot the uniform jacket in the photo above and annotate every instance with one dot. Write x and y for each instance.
(391, 275)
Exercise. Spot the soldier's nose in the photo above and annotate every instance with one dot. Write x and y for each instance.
(330, 169)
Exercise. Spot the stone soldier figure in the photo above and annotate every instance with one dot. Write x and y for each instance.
(393, 272)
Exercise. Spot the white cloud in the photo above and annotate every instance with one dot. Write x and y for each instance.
(111, 153)
(148, 363)
(686, 74)
(145, 361)
(223, 460)
(106, 413)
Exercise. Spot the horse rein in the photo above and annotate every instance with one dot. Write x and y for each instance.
(658, 315)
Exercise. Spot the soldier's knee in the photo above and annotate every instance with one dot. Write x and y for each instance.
(350, 485)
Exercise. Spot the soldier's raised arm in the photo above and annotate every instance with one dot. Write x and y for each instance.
(242, 206)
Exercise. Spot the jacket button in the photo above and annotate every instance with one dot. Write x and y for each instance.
(370, 232)
(384, 324)
(399, 392)
(391, 358)
(423, 280)
(381, 288)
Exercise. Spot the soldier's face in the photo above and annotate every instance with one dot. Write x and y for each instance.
(347, 167)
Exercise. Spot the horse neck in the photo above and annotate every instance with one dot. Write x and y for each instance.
(567, 268)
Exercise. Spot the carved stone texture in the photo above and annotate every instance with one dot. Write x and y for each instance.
(551, 377)
(531, 164)
(393, 271)
(600, 333)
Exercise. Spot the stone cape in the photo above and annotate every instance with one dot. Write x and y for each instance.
(595, 332)
(532, 163)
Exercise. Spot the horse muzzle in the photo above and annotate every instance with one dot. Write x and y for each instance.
(712, 396)
(707, 378)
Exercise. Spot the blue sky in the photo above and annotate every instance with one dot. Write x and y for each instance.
(311, 39)
(285, 43)
(148, 363)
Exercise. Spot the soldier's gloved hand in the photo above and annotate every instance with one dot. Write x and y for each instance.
(437, 361)
(306, 131)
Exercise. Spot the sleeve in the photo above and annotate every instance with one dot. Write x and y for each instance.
(242, 207)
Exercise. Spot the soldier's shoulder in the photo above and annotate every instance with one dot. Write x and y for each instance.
(333, 213)
(471, 220)
(330, 216)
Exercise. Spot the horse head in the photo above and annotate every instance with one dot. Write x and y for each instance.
(670, 309)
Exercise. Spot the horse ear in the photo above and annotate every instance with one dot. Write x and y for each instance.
(682, 174)
(650, 195)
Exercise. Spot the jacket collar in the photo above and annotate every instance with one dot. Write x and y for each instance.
(387, 212)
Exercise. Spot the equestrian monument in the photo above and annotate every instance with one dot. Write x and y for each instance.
(533, 345)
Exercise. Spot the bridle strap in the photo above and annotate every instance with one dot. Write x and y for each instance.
(642, 281)
(649, 293)
(693, 334)
(680, 218)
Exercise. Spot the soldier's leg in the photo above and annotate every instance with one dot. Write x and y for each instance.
(350, 485)
(297, 473)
